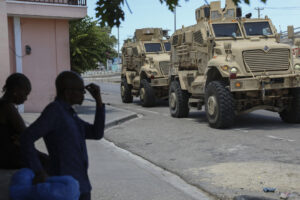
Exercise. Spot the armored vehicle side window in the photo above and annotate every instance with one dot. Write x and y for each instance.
(153, 47)
(215, 14)
(227, 30)
(229, 13)
(167, 46)
(198, 37)
(135, 51)
(258, 28)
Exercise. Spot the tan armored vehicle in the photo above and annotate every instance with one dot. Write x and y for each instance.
(145, 66)
(232, 65)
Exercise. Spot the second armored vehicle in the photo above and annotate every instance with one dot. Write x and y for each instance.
(145, 66)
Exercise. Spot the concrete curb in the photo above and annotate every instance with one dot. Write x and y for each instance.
(102, 75)
(113, 79)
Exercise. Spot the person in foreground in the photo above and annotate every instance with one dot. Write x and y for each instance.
(16, 89)
(65, 133)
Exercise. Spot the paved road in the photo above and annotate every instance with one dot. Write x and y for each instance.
(259, 151)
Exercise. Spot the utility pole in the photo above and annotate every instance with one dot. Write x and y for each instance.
(258, 11)
(174, 19)
(118, 46)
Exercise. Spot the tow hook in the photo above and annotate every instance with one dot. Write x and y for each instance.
(264, 81)
(263, 91)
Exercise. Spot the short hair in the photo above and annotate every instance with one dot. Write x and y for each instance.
(16, 80)
(64, 80)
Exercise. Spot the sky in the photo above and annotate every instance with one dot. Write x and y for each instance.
(151, 13)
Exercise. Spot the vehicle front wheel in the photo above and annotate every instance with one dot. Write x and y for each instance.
(126, 92)
(178, 101)
(147, 95)
(292, 113)
(219, 105)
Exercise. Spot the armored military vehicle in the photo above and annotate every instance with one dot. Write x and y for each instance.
(145, 66)
(232, 65)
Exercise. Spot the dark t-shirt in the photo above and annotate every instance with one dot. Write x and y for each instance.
(10, 156)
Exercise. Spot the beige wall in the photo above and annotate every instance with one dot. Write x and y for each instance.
(49, 41)
(4, 53)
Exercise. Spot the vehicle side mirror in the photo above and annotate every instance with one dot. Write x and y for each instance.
(129, 51)
(290, 32)
(189, 37)
(297, 42)
(277, 37)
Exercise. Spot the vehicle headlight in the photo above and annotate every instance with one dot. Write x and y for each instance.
(233, 70)
(297, 67)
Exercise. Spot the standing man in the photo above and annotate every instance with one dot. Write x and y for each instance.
(65, 133)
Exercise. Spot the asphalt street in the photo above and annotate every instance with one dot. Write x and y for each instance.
(258, 151)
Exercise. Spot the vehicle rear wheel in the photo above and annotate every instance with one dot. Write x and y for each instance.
(126, 91)
(178, 101)
(292, 113)
(219, 105)
(147, 95)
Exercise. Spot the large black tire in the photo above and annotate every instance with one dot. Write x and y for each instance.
(147, 95)
(126, 91)
(178, 101)
(292, 113)
(219, 105)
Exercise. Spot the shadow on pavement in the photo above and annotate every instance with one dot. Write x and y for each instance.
(251, 121)
(158, 103)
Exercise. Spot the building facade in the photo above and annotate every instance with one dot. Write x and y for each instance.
(34, 37)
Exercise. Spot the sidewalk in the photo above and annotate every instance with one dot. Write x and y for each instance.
(115, 173)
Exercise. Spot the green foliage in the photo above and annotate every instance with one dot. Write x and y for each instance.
(90, 44)
(110, 12)
(246, 1)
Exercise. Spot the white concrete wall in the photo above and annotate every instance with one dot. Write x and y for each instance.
(4, 44)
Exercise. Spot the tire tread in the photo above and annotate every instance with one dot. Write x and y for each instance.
(226, 105)
(182, 98)
(127, 98)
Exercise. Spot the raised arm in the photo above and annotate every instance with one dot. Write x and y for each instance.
(96, 131)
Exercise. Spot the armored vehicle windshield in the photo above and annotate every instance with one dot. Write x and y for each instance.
(167, 46)
(153, 47)
(257, 28)
(227, 30)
